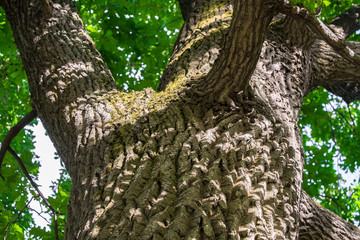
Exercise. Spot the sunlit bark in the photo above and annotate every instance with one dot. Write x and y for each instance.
(214, 154)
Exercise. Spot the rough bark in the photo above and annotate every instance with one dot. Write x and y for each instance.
(345, 25)
(319, 223)
(214, 154)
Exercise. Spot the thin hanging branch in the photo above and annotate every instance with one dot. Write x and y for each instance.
(343, 116)
(16, 218)
(5, 146)
(22, 166)
(332, 129)
(13, 132)
(335, 141)
(333, 199)
(56, 230)
(350, 115)
(39, 214)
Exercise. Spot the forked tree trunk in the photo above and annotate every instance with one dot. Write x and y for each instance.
(214, 154)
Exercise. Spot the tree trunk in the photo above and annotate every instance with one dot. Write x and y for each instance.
(214, 154)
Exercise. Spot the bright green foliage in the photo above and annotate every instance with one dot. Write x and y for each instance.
(312, 5)
(59, 202)
(135, 39)
(328, 9)
(14, 103)
(331, 148)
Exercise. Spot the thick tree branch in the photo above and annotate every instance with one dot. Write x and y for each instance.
(200, 39)
(316, 25)
(67, 74)
(240, 53)
(347, 22)
(318, 223)
(336, 74)
(332, 71)
(190, 8)
(13, 132)
(349, 92)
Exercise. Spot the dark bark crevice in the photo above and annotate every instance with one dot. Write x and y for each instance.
(191, 9)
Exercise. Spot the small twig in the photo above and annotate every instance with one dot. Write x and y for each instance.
(16, 218)
(332, 198)
(13, 132)
(40, 214)
(332, 129)
(319, 8)
(22, 166)
(343, 116)
(337, 167)
(56, 227)
(351, 117)
(315, 24)
(336, 143)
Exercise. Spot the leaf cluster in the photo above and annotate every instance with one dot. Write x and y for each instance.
(14, 104)
(134, 37)
(331, 139)
(331, 136)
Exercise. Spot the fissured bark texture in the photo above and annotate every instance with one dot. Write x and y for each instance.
(215, 153)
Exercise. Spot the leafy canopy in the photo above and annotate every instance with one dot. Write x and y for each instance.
(135, 39)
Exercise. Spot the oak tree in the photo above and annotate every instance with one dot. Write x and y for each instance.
(215, 152)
